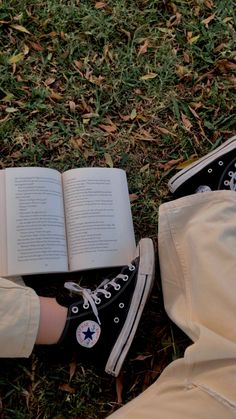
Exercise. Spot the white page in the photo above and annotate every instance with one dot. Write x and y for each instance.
(98, 218)
(36, 239)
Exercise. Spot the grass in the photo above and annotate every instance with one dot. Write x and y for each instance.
(145, 86)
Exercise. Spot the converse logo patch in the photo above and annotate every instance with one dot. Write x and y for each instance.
(87, 333)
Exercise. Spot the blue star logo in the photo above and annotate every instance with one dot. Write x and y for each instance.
(88, 334)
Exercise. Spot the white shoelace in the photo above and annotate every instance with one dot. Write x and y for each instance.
(87, 294)
(90, 297)
(232, 182)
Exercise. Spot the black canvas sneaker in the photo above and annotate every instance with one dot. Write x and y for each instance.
(216, 170)
(101, 324)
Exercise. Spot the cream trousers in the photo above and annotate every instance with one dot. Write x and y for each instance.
(197, 243)
(19, 318)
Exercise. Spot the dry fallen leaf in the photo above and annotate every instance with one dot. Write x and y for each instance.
(186, 122)
(193, 40)
(125, 117)
(232, 80)
(143, 48)
(186, 163)
(53, 34)
(228, 19)
(73, 366)
(194, 112)
(169, 164)
(208, 20)
(16, 155)
(145, 168)
(76, 142)
(178, 18)
(54, 95)
(108, 128)
(11, 110)
(145, 135)
(133, 114)
(189, 35)
(95, 80)
(196, 105)
(4, 119)
(8, 97)
(67, 388)
(20, 28)
(173, 7)
(16, 58)
(49, 81)
(186, 57)
(100, 5)
(209, 3)
(78, 64)
(90, 115)
(36, 46)
(181, 70)
(165, 131)
(133, 197)
(108, 160)
(148, 76)
(219, 47)
(174, 20)
(72, 105)
(25, 49)
(225, 66)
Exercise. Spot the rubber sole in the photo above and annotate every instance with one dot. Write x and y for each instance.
(143, 288)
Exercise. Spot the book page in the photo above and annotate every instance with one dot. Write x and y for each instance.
(98, 218)
(3, 231)
(36, 239)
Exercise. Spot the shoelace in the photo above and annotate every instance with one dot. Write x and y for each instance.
(90, 297)
(232, 182)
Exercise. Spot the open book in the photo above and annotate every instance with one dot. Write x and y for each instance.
(53, 222)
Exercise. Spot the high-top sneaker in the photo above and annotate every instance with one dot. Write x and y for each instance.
(101, 324)
(216, 170)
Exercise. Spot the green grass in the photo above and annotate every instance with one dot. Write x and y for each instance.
(77, 96)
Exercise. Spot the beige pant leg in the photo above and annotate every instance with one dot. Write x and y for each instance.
(19, 319)
(197, 243)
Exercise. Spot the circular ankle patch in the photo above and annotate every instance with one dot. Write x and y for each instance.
(87, 333)
(203, 188)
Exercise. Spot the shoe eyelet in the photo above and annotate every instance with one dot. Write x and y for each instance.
(85, 306)
(98, 300)
(117, 287)
(131, 268)
(116, 320)
(231, 174)
(125, 278)
(108, 295)
(121, 305)
(209, 170)
(226, 183)
(74, 309)
(220, 163)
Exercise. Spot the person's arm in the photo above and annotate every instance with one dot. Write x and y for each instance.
(52, 321)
